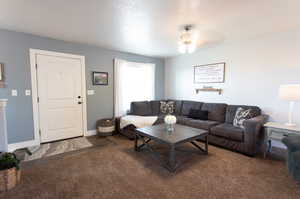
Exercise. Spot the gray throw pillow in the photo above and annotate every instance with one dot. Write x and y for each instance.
(167, 107)
(240, 116)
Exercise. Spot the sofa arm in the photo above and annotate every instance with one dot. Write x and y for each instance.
(254, 125)
(253, 129)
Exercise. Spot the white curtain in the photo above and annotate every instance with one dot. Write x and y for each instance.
(132, 82)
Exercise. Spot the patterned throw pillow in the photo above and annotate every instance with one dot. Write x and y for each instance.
(167, 107)
(240, 116)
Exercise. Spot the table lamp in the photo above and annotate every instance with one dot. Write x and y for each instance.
(291, 93)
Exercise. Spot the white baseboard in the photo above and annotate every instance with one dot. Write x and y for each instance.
(91, 133)
(21, 145)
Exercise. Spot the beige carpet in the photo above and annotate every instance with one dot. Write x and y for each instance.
(117, 171)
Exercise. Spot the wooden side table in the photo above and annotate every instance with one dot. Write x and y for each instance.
(277, 131)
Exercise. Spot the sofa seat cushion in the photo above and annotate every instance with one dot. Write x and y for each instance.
(201, 124)
(182, 120)
(228, 131)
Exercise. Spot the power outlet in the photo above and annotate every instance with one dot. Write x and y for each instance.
(27, 92)
(91, 92)
(14, 93)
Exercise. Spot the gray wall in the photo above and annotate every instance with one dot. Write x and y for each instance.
(14, 53)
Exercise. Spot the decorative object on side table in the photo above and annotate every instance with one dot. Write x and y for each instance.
(168, 108)
(100, 78)
(276, 132)
(106, 127)
(10, 173)
(291, 93)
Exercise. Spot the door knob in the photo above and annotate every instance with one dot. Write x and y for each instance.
(79, 102)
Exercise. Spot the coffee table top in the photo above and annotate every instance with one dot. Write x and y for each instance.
(180, 134)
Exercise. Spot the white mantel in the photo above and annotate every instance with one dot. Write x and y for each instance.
(3, 126)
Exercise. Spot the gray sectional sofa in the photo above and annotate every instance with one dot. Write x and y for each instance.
(222, 132)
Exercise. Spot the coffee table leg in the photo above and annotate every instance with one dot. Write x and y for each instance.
(136, 142)
(205, 149)
(172, 160)
(206, 144)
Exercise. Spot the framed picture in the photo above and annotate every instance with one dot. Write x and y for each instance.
(210, 73)
(100, 78)
(1, 72)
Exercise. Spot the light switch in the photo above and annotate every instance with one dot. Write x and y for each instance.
(27, 92)
(14, 93)
(91, 92)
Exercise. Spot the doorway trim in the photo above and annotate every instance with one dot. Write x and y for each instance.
(34, 90)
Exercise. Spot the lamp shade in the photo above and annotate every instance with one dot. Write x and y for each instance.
(290, 92)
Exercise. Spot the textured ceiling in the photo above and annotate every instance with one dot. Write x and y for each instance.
(148, 27)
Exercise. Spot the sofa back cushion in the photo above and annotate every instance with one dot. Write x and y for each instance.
(188, 105)
(231, 111)
(141, 108)
(155, 106)
(216, 111)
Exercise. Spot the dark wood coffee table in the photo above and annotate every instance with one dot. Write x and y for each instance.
(181, 134)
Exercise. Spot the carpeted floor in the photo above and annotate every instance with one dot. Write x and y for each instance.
(117, 171)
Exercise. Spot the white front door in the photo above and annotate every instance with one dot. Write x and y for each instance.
(59, 85)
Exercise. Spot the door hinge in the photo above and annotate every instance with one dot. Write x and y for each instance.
(36, 66)
(38, 99)
(40, 132)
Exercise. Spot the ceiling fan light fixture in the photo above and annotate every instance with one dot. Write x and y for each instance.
(182, 48)
(191, 48)
(187, 43)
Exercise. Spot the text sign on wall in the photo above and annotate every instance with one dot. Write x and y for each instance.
(210, 73)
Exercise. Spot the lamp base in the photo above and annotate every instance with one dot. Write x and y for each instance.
(289, 124)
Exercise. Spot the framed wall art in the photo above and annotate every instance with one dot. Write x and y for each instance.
(210, 73)
(100, 78)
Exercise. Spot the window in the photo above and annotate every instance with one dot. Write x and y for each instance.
(133, 82)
